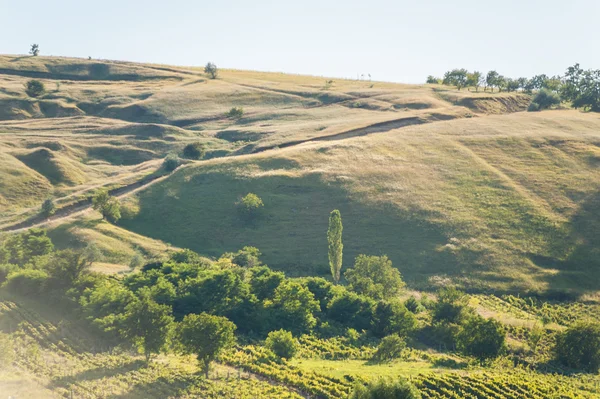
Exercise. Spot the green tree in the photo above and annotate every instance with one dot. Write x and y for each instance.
(67, 266)
(392, 318)
(474, 79)
(432, 80)
(34, 50)
(389, 348)
(264, 281)
(250, 206)
(211, 70)
(147, 324)
(336, 247)
(282, 343)
(582, 88)
(245, 257)
(48, 207)
(484, 339)
(205, 336)
(171, 162)
(34, 88)
(194, 151)
(544, 99)
(352, 310)
(385, 389)
(579, 346)
(491, 79)
(107, 205)
(456, 77)
(374, 276)
(293, 307)
(450, 306)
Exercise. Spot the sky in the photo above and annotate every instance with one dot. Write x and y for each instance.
(400, 41)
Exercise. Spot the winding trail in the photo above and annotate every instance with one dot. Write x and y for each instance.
(85, 204)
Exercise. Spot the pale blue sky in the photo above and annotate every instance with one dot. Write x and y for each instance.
(399, 41)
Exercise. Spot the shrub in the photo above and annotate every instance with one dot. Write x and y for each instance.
(282, 343)
(5, 270)
(413, 305)
(34, 88)
(250, 205)
(27, 281)
(386, 389)
(352, 310)
(579, 346)
(194, 151)
(48, 207)
(484, 339)
(432, 80)
(389, 348)
(374, 276)
(235, 113)
(108, 206)
(544, 99)
(392, 318)
(211, 70)
(171, 163)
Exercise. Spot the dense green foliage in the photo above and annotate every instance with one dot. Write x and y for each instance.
(544, 99)
(335, 245)
(579, 346)
(375, 277)
(205, 336)
(282, 343)
(481, 338)
(389, 348)
(385, 389)
(235, 113)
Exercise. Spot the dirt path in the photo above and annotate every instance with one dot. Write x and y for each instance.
(83, 205)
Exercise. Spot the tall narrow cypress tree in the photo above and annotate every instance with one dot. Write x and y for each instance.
(334, 238)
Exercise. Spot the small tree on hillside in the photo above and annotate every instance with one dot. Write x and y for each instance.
(474, 79)
(491, 79)
(194, 151)
(205, 336)
(107, 205)
(282, 343)
(250, 206)
(389, 348)
(34, 50)
(456, 77)
(336, 247)
(171, 162)
(432, 80)
(211, 70)
(483, 338)
(374, 276)
(544, 99)
(34, 88)
(147, 324)
(579, 346)
(48, 207)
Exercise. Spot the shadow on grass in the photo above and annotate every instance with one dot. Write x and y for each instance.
(97, 374)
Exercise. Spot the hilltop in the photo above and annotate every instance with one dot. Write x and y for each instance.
(452, 185)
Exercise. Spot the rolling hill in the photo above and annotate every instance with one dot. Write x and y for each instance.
(452, 185)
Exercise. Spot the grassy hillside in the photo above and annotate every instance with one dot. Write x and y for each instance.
(452, 185)
(502, 202)
(99, 120)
